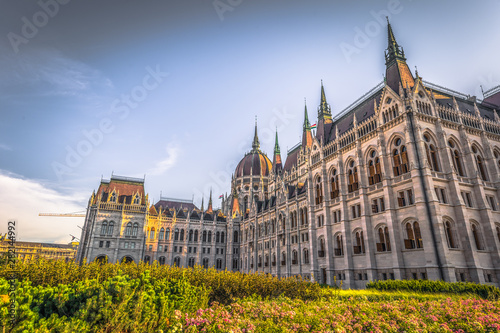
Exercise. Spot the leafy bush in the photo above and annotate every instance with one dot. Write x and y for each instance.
(482, 290)
(118, 304)
(225, 286)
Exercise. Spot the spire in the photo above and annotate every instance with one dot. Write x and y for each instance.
(209, 209)
(324, 110)
(277, 165)
(235, 205)
(397, 72)
(306, 133)
(255, 143)
(202, 209)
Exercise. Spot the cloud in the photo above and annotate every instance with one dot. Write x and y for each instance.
(3, 146)
(166, 163)
(48, 72)
(22, 199)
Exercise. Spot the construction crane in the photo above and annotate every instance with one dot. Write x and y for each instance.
(76, 214)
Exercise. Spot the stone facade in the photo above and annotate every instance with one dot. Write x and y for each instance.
(404, 184)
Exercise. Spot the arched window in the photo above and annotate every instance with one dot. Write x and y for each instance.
(235, 236)
(135, 229)
(305, 216)
(161, 260)
(339, 245)
(321, 249)
(283, 258)
(196, 235)
(104, 228)
(295, 259)
(152, 233)
(481, 168)
(204, 236)
(450, 235)
(128, 229)
(498, 232)
(167, 234)
(177, 261)
(319, 191)
(205, 263)
(414, 237)
(334, 185)
(360, 243)
(273, 226)
(161, 235)
(431, 152)
(191, 262)
(384, 244)
(353, 181)
(374, 169)
(191, 232)
(110, 228)
(147, 259)
(266, 260)
(477, 237)
(217, 237)
(112, 198)
(210, 237)
(274, 259)
(222, 237)
(218, 264)
(182, 235)
(176, 234)
(456, 158)
(137, 199)
(400, 158)
(305, 256)
(259, 261)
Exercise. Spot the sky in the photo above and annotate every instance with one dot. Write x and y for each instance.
(169, 90)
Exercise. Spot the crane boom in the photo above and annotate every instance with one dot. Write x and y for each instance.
(62, 215)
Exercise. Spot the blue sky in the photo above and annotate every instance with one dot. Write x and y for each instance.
(171, 89)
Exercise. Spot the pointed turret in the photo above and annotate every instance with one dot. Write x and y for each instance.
(324, 118)
(210, 209)
(202, 209)
(235, 205)
(397, 71)
(306, 132)
(277, 165)
(255, 143)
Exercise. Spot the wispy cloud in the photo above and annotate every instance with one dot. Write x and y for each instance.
(22, 199)
(3, 146)
(48, 72)
(167, 162)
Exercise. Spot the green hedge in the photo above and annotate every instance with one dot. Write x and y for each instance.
(482, 290)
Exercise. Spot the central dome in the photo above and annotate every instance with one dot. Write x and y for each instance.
(255, 163)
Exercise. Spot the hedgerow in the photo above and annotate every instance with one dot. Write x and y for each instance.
(482, 290)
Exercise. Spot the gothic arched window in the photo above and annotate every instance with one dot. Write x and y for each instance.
(334, 185)
(353, 181)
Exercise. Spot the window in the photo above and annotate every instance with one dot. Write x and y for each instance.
(128, 229)
(321, 220)
(295, 259)
(431, 152)
(466, 196)
(481, 169)
(235, 263)
(137, 199)
(334, 185)
(217, 237)
(498, 232)
(132, 245)
(112, 198)
(104, 228)
(359, 246)
(456, 158)
(135, 229)
(150, 247)
(305, 256)
(450, 235)
(101, 243)
(209, 237)
(336, 216)
(110, 228)
(477, 237)
(283, 259)
(152, 233)
(384, 244)
(353, 182)
(108, 244)
(177, 261)
(319, 191)
(205, 263)
(222, 237)
(204, 236)
(176, 234)
(218, 264)
(191, 262)
(321, 248)
(182, 235)
(400, 158)
(374, 169)
(378, 205)
(167, 234)
(125, 245)
(413, 236)
(235, 236)
(196, 235)
(405, 198)
(161, 235)
(339, 246)
(162, 260)
(441, 194)
(356, 211)
(191, 234)
(491, 202)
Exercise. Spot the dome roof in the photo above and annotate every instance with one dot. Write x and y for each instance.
(254, 163)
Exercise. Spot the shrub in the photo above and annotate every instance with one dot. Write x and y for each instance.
(482, 290)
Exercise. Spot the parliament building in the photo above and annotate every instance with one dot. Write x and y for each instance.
(403, 184)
